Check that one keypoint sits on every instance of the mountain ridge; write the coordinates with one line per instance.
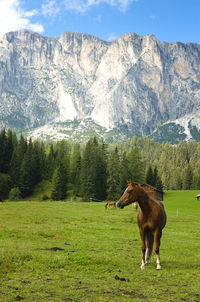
(137, 83)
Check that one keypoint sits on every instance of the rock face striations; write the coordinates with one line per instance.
(134, 84)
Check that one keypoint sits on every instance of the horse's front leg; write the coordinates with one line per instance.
(143, 249)
(157, 236)
(147, 255)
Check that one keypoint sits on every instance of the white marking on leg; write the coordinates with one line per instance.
(142, 265)
(146, 256)
(158, 266)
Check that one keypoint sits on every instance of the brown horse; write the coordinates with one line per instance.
(110, 203)
(151, 220)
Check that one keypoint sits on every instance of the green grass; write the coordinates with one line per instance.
(95, 246)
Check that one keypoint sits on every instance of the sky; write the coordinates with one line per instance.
(168, 20)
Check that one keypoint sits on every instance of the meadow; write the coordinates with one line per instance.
(79, 251)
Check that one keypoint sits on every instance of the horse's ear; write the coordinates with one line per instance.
(132, 183)
(129, 182)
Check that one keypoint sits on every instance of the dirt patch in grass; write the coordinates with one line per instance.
(18, 298)
(122, 278)
(133, 294)
(53, 249)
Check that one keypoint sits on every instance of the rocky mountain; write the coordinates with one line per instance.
(77, 83)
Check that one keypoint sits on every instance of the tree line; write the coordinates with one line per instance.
(94, 169)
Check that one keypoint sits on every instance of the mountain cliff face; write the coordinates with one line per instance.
(134, 84)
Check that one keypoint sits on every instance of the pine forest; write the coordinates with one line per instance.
(94, 169)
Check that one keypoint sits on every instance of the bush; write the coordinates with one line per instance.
(45, 197)
(15, 194)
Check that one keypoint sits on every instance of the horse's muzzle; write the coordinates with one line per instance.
(119, 205)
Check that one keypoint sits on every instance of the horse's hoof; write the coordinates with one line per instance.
(158, 268)
(142, 267)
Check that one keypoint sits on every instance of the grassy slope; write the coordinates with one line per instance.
(97, 245)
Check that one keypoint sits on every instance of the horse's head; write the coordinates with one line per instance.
(129, 195)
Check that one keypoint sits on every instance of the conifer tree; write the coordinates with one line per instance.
(155, 176)
(5, 186)
(159, 184)
(26, 183)
(8, 150)
(187, 178)
(14, 170)
(93, 171)
(59, 183)
(75, 169)
(87, 181)
(62, 154)
(114, 189)
(22, 148)
(149, 178)
(195, 182)
(41, 153)
(179, 182)
(124, 172)
(3, 142)
(77, 185)
(136, 165)
(38, 162)
(50, 162)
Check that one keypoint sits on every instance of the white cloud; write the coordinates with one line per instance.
(112, 37)
(123, 4)
(50, 8)
(31, 13)
(13, 17)
(83, 5)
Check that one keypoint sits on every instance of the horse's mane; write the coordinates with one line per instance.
(136, 185)
(133, 183)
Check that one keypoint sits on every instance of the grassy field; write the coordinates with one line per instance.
(73, 251)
